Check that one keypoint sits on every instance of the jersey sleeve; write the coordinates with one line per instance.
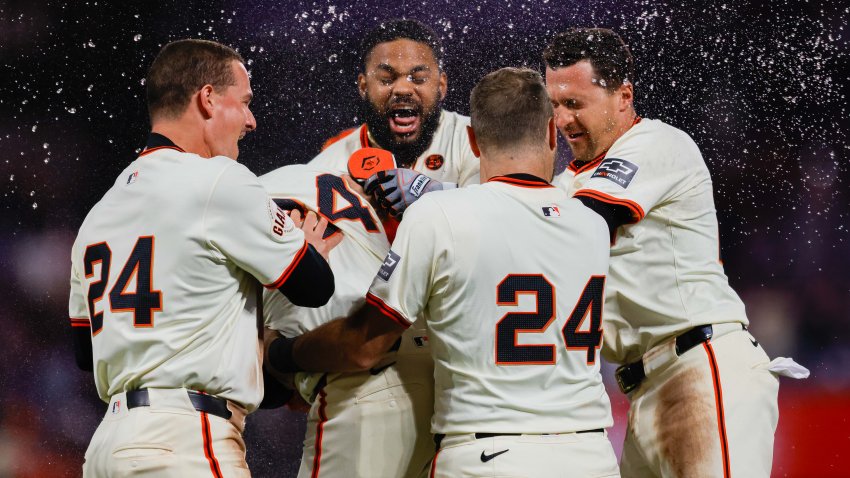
(405, 281)
(645, 170)
(77, 304)
(247, 227)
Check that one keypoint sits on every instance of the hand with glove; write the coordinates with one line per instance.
(397, 189)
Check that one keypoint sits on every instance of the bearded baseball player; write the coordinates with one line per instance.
(703, 392)
(375, 423)
(402, 85)
(514, 331)
(164, 278)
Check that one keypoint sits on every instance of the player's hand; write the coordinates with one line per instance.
(314, 228)
(397, 189)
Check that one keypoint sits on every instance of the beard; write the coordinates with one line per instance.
(405, 153)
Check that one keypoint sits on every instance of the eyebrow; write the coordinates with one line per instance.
(391, 70)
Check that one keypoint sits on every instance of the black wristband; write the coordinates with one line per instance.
(280, 355)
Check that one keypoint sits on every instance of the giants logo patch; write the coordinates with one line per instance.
(388, 266)
(434, 162)
(281, 223)
(618, 170)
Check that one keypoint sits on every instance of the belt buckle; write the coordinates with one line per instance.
(624, 387)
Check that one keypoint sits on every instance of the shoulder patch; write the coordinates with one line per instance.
(618, 170)
(388, 266)
(281, 223)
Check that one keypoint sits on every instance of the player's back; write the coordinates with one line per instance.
(515, 308)
(170, 308)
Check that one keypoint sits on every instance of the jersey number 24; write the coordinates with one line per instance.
(143, 302)
(589, 305)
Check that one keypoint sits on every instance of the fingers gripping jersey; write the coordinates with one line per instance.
(510, 277)
(448, 158)
(165, 267)
(665, 275)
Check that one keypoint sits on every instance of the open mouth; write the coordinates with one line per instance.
(404, 120)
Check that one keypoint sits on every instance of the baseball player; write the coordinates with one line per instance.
(375, 423)
(703, 393)
(402, 85)
(163, 299)
(510, 276)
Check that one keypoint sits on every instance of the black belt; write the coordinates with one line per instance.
(438, 438)
(631, 375)
(201, 401)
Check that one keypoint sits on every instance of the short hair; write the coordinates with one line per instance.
(391, 30)
(608, 54)
(181, 68)
(510, 107)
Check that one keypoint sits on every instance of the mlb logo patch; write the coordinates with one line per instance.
(551, 211)
(618, 170)
(132, 178)
(388, 266)
(116, 407)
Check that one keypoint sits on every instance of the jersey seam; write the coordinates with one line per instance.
(207, 205)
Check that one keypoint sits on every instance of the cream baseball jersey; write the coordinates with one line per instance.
(448, 158)
(166, 266)
(665, 274)
(510, 277)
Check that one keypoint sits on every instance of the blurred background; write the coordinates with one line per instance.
(761, 86)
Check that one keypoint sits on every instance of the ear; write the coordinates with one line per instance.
(361, 85)
(553, 138)
(444, 85)
(206, 101)
(473, 143)
(626, 94)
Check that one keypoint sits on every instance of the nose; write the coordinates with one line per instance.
(250, 122)
(403, 86)
(563, 117)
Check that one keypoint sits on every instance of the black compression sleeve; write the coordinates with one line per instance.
(613, 214)
(280, 355)
(81, 337)
(311, 283)
(276, 394)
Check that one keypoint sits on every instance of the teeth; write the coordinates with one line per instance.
(404, 113)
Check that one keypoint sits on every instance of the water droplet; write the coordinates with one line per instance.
(35, 205)
(45, 145)
(137, 37)
(34, 127)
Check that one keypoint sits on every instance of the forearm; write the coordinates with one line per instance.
(349, 344)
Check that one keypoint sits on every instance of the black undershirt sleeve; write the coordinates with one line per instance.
(613, 214)
(81, 338)
(311, 283)
(275, 393)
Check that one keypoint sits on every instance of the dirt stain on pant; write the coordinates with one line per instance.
(686, 422)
